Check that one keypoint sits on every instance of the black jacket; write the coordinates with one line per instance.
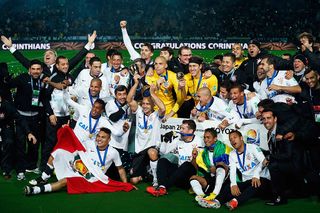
(46, 70)
(24, 92)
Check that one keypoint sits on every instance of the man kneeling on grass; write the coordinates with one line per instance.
(82, 170)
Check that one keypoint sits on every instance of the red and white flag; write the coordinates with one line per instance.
(72, 161)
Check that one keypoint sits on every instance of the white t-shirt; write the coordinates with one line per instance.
(219, 111)
(112, 156)
(82, 128)
(83, 81)
(119, 142)
(150, 136)
(280, 80)
(182, 149)
(247, 111)
(111, 77)
(250, 166)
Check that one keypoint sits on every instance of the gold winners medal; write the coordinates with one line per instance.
(102, 168)
(145, 131)
(90, 135)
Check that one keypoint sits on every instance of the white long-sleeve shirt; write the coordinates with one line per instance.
(127, 42)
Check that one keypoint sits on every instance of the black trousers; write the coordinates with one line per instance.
(185, 109)
(170, 174)
(26, 151)
(7, 148)
(279, 172)
(246, 189)
(51, 139)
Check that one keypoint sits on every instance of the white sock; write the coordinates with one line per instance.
(153, 167)
(196, 186)
(47, 188)
(220, 175)
(36, 190)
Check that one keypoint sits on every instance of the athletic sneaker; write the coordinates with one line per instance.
(215, 204)
(198, 197)
(36, 170)
(38, 181)
(28, 190)
(162, 191)
(21, 176)
(232, 204)
(211, 196)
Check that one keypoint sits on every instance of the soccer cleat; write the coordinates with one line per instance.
(156, 191)
(38, 181)
(28, 190)
(21, 176)
(162, 191)
(152, 190)
(214, 204)
(198, 197)
(211, 196)
(232, 204)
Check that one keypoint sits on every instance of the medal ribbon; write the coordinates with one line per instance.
(103, 162)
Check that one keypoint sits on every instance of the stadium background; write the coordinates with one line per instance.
(35, 21)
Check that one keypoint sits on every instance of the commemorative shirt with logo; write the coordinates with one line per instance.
(112, 156)
(120, 141)
(280, 80)
(249, 165)
(147, 130)
(219, 110)
(183, 150)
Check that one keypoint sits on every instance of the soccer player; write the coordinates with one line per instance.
(247, 160)
(245, 107)
(118, 111)
(147, 136)
(116, 75)
(146, 51)
(167, 83)
(276, 86)
(185, 148)
(195, 80)
(102, 156)
(89, 123)
(83, 81)
(212, 163)
(213, 108)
